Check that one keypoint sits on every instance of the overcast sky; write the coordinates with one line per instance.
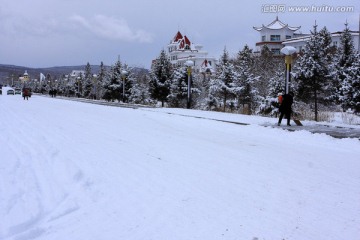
(46, 33)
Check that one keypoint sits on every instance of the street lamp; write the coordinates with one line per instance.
(288, 51)
(123, 75)
(189, 64)
(94, 77)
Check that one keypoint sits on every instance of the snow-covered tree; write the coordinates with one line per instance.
(264, 67)
(100, 78)
(311, 70)
(139, 93)
(351, 86)
(245, 83)
(269, 105)
(160, 81)
(112, 85)
(222, 87)
(343, 72)
(128, 80)
(88, 81)
(179, 89)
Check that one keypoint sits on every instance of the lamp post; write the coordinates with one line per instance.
(288, 51)
(189, 64)
(94, 78)
(123, 75)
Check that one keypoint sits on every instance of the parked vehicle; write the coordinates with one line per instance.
(10, 92)
(17, 91)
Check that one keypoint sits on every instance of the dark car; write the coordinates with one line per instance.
(10, 92)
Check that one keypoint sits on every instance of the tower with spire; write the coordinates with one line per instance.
(274, 34)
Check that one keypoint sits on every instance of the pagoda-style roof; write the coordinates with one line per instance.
(276, 25)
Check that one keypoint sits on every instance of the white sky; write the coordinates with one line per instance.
(41, 33)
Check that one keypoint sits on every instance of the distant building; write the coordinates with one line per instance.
(277, 35)
(300, 42)
(181, 49)
(24, 78)
(274, 34)
(76, 74)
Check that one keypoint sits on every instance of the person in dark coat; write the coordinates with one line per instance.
(285, 107)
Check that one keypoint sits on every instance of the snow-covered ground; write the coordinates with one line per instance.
(73, 170)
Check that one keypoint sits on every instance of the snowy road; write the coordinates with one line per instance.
(82, 171)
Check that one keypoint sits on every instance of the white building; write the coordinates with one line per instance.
(76, 74)
(274, 34)
(181, 49)
(300, 42)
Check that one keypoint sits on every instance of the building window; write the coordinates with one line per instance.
(288, 37)
(274, 38)
(263, 38)
(335, 43)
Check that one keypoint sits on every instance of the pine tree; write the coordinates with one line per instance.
(112, 85)
(222, 87)
(351, 86)
(140, 91)
(100, 81)
(245, 82)
(179, 89)
(276, 86)
(160, 75)
(264, 67)
(88, 81)
(343, 69)
(311, 70)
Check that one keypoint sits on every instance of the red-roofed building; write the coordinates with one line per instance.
(181, 49)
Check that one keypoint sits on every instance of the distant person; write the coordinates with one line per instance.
(26, 93)
(285, 107)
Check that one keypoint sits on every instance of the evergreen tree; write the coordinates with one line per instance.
(112, 85)
(344, 60)
(264, 67)
(276, 84)
(311, 70)
(222, 87)
(245, 83)
(139, 93)
(179, 88)
(100, 81)
(351, 86)
(160, 81)
(88, 81)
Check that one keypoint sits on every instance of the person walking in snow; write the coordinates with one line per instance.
(26, 93)
(285, 107)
